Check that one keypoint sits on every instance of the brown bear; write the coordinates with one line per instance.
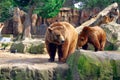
(60, 37)
(94, 35)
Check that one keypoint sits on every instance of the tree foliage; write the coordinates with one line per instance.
(6, 7)
(22, 2)
(48, 8)
(44, 8)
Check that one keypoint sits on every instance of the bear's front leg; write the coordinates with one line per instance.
(60, 53)
(64, 53)
(52, 52)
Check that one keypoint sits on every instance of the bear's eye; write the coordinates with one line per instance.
(82, 38)
(58, 35)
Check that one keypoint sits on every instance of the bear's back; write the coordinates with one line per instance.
(98, 29)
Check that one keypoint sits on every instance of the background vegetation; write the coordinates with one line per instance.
(44, 8)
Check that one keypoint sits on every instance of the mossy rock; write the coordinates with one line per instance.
(37, 49)
(112, 46)
(112, 30)
(34, 47)
(32, 72)
(5, 45)
(86, 65)
(19, 46)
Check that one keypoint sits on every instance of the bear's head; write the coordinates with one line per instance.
(83, 36)
(57, 35)
(82, 40)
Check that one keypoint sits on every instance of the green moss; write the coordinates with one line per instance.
(5, 74)
(116, 69)
(7, 35)
(28, 47)
(61, 74)
(5, 45)
(40, 75)
(18, 46)
(29, 73)
(69, 75)
(35, 49)
(111, 46)
(90, 67)
(106, 72)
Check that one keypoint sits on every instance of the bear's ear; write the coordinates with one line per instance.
(86, 29)
(49, 29)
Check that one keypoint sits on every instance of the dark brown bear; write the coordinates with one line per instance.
(94, 35)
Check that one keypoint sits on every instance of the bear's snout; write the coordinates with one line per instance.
(62, 41)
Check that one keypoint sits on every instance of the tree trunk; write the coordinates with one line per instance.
(17, 24)
(42, 20)
(110, 13)
(28, 24)
(34, 20)
(27, 28)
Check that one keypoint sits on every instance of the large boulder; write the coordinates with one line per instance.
(34, 46)
(112, 30)
(29, 72)
(88, 65)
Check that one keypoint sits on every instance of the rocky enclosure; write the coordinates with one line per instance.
(30, 67)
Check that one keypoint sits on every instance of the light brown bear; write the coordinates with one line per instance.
(94, 35)
(60, 37)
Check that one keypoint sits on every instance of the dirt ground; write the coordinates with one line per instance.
(39, 61)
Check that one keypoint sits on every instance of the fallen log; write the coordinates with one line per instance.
(109, 14)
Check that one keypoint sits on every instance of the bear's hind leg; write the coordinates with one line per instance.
(102, 45)
(96, 45)
(52, 51)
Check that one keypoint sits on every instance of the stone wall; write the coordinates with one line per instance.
(82, 65)
(30, 67)
(27, 72)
